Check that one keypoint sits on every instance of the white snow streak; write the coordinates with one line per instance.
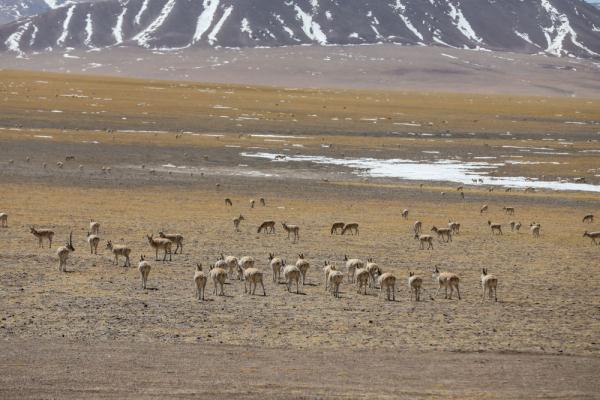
(143, 8)
(525, 37)
(246, 27)
(33, 35)
(144, 36)
(14, 40)
(459, 20)
(401, 8)
(89, 30)
(310, 27)
(118, 29)
(66, 22)
(212, 37)
(205, 19)
(561, 27)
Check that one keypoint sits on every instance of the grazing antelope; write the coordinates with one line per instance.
(483, 209)
(446, 280)
(303, 266)
(262, 202)
(200, 280)
(535, 229)
(40, 234)
(94, 227)
(253, 277)
(351, 266)
(63, 253)
(160, 243)
(276, 264)
(443, 233)
(337, 226)
(4, 220)
(119, 250)
(218, 276)
(387, 281)
(362, 279)
(496, 228)
(144, 268)
(352, 228)
(252, 203)
(236, 222)
(425, 239)
(588, 218)
(509, 210)
(489, 283)
(415, 284)
(295, 229)
(175, 238)
(93, 240)
(267, 226)
(454, 227)
(228, 202)
(512, 225)
(374, 272)
(405, 213)
(335, 280)
(417, 227)
(529, 190)
(592, 235)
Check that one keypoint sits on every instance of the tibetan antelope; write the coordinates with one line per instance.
(405, 214)
(443, 233)
(337, 226)
(335, 280)
(352, 264)
(535, 229)
(327, 270)
(63, 253)
(454, 227)
(374, 272)
(4, 220)
(218, 276)
(387, 281)
(93, 240)
(175, 238)
(262, 202)
(588, 218)
(291, 274)
(200, 280)
(160, 243)
(294, 229)
(352, 228)
(276, 264)
(267, 226)
(489, 284)
(42, 234)
(496, 228)
(232, 263)
(144, 268)
(228, 202)
(303, 265)
(425, 239)
(94, 227)
(236, 222)
(483, 209)
(415, 284)
(252, 203)
(362, 280)
(253, 277)
(509, 210)
(446, 280)
(592, 235)
(119, 250)
(417, 227)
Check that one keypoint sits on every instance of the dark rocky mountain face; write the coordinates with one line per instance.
(557, 27)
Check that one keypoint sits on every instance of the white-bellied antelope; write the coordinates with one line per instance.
(160, 243)
(63, 253)
(119, 250)
(352, 228)
(42, 234)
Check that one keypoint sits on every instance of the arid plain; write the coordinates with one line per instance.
(158, 155)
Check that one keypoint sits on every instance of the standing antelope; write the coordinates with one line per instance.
(362, 279)
(509, 210)
(144, 268)
(374, 272)
(327, 269)
(231, 262)
(417, 227)
(443, 232)
(414, 284)
(454, 227)
(40, 234)
(93, 240)
(253, 277)
(174, 238)
(483, 209)
(160, 243)
(337, 226)
(496, 228)
(588, 218)
(446, 280)
(236, 222)
(228, 202)
(335, 280)
(535, 229)
(405, 213)
(352, 228)
(425, 239)
(592, 235)
(119, 250)
(4, 220)
(262, 202)
(63, 253)
(489, 283)
(276, 264)
(387, 281)
(291, 274)
(295, 229)
(200, 279)
(252, 203)
(94, 227)
(267, 226)
(243, 264)
(218, 276)
(351, 266)
(303, 266)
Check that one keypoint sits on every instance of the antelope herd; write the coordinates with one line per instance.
(363, 275)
